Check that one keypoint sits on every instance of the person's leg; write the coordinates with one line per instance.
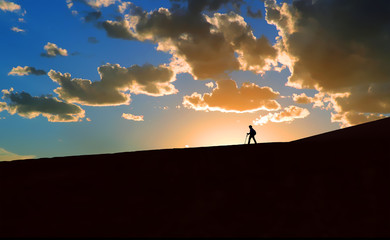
(254, 139)
(249, 140)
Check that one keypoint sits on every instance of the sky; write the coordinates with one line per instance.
(102, 76)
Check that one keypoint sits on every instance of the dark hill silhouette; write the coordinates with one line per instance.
(332, 184)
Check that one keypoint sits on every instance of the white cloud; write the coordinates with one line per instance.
(53, 50)
(124, 6)
(16, 29)
(210, 85)
(289, 114)
(132, 117)
(26, 70)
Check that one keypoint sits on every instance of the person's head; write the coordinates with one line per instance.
(250, 126)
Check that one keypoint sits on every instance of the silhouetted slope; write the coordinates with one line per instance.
(298, 189)
(378, 130)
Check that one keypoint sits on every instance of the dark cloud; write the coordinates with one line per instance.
(93, 40)
(92, 16)
(200, 44)
(195, 7)
(255, 54)
(337, 47)
(252, 14)
(26, 70)
(115, 84)
(118, 29)
(50, 107)
(96, 3)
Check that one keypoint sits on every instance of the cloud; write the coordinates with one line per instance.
(50, 107)
(9, 6)
(115, 84)
(53, 50)
(210, 84)
(186, 37)
(93, 40)
(92, 16)
(16, 29)
(337, 47)
(353, 118)
(302, 98)
(252, 14)
(118, 29)
(227, 97)
(99, 3)
(9, 156)
(124, 6)
(255, 54)
(93, 3)
(203, 46)
(26, 70)
(132, 117)
(196, 7)
(69, 3)
(3, 106)
(289, 114)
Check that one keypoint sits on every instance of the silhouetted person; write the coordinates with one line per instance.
(251, 134)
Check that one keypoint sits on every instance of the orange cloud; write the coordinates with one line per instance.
(227, 97)
(302, 98)
(289, 114)
(352, 118)
(9, 6)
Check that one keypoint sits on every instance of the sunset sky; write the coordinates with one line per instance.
(99, 76)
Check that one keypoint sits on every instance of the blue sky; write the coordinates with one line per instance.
(218, 114)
